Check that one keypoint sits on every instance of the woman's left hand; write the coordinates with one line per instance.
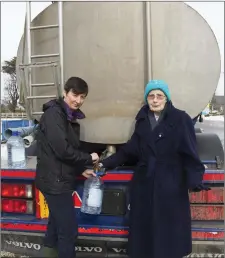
(88, 173)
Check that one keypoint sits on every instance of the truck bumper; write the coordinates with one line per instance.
(30, 244)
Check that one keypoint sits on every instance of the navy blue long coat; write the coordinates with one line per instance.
(168, 166)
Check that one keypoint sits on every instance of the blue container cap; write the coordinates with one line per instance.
(15, 133)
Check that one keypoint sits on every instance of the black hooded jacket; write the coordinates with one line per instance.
(59, 159)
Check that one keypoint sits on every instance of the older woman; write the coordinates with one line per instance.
(164, 143)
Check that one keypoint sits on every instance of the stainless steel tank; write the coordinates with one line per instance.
(117, 47)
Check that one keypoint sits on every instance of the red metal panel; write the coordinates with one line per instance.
(207, 212)
(196, 233)
(208, 235)
(25, 174)
(37, 201)
(212, 176)
(215, 195)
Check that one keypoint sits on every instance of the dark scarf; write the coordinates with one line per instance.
(152, 119)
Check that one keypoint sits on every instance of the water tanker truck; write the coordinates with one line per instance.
(117, 47)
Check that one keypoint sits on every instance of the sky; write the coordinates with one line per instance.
(12, 29)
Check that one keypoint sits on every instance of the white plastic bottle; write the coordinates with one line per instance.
(16, 151)
(92, 196)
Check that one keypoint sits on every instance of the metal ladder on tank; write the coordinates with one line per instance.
(57, 66)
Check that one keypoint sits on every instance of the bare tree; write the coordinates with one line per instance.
(12, 94)
(11, 87)
(3, 107)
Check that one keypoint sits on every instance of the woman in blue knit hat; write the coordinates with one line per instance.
(168, 167)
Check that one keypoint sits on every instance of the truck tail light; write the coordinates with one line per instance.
(17, 206)
(17, 190)
(207, 212)
(17, 198)
(214, 196)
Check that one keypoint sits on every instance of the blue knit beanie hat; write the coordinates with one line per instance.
(157, 85)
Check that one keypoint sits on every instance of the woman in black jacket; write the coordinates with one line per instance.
(59, 161)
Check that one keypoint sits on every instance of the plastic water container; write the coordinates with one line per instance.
(16, 151)
(92, 196)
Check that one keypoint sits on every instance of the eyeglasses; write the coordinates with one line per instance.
(157, 96)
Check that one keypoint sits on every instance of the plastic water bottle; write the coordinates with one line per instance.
(92, 196)
(16, 151)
